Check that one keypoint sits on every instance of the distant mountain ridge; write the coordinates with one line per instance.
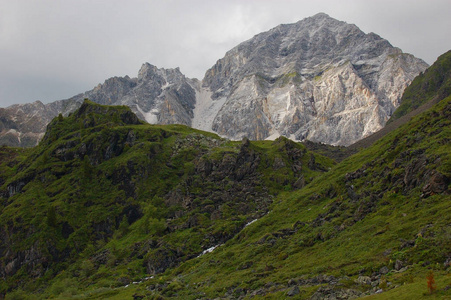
(318, 79)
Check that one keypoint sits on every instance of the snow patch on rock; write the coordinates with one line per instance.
(255, 220)
(151, 116)
(209, 250)
(206, 109)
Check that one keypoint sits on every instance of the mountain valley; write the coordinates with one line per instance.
(274, 177)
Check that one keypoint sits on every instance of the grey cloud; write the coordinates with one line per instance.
(52, 50)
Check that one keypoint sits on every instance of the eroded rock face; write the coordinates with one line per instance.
(319, 79)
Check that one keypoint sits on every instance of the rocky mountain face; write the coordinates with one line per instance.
(163, 96)
(319, 79)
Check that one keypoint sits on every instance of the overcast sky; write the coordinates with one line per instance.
(54, 49)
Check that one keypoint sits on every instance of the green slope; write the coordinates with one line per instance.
(383, 213)
(376, 224)
(105, 200)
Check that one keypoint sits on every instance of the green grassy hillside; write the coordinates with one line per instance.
(113, 210)
(106, 200)
(377, 224)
